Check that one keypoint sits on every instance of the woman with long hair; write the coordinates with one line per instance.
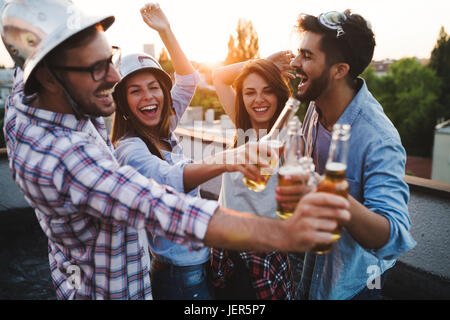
(149, 108)
(253, 94)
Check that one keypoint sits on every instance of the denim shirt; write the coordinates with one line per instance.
(375, 172)
(133, 151)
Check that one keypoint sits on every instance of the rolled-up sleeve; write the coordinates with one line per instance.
(134, 152)
(182, 93)
(119, 194)
(386, 193)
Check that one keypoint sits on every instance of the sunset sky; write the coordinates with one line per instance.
(403, 28)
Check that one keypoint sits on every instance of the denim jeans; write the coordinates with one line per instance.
(182, 283)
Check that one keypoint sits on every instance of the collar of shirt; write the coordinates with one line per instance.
(48, 119)
(355, 107)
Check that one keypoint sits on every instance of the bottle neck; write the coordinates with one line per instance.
(338, 154)
(337, 157)
(280, 126)
(292, 151)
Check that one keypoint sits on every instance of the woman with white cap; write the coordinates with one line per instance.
(149, 108)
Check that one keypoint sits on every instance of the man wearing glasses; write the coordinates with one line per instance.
(92, 210)
(335, 50)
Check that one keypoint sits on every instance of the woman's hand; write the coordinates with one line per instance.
(155, 18)
(253, 160)
(283, 61)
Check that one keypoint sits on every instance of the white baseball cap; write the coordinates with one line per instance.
(135, 62)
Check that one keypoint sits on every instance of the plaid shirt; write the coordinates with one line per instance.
(270, 273)
(89, 207)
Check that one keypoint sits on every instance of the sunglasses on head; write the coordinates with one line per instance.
(333, 20)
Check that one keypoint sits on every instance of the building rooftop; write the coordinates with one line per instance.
(443, 127)
(421, 273)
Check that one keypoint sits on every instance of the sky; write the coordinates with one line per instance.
(403, 28)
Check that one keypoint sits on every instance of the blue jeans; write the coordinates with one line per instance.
(181, 283)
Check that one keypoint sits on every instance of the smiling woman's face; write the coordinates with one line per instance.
(145, 98)
(260, 101)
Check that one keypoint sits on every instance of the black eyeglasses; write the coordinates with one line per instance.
(100, 69)
(333, 20)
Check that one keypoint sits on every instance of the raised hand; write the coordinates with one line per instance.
(283, 61)
(154, 17)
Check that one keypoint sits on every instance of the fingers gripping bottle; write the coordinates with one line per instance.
(275, 139)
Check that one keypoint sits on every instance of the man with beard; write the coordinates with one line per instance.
(92, 210)
(335, 50)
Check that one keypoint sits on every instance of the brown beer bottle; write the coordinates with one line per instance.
(294, 164)
(291, 165)
(334, 180)
(304, 170)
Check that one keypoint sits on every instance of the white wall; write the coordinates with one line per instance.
(441, 157)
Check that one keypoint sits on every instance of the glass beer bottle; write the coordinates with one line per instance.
(275, 141)
(334, 180)
(304, 170)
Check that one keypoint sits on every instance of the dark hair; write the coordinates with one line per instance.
(126, 122)
(58, 54)
(270, 72)
(355, 47)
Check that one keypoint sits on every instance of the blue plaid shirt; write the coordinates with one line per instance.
(91, 208)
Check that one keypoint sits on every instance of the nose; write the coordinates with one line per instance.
(296, 62)
(147, 94)
(113, 75)
(259, 97)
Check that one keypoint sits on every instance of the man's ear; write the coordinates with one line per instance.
(340, 70)
(47, 81)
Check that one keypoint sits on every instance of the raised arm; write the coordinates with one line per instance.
(155, 18)
(223, 79)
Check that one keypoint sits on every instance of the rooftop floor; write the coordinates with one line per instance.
(422, 273)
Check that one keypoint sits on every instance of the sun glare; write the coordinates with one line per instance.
(203, 27)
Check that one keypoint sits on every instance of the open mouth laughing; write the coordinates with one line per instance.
(105, 96)
(303, 80)
(149, 110)
(261, 110)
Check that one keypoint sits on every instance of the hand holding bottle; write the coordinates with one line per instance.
(292, 187)
(247, 159)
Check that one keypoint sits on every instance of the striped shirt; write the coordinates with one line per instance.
(91, 208)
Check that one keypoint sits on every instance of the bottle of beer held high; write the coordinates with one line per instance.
(335, 181)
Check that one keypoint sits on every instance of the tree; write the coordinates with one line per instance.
(409, 94)
(245, 46)
(165, 62)
(440, 63)
(208, 99)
